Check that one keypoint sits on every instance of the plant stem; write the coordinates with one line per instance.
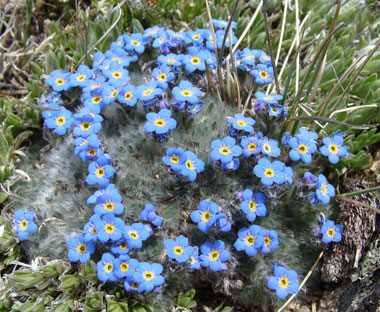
(270, 46)
(372, 189)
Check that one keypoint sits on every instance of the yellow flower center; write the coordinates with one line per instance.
(263, 74)
(331, 233)
(148, 275)
(174, 159)
(109, 228)
(116, 59)
(178, 250)
(128, 95)
(95, 86)
(81, 77)
(114, 93)
(302, 148)
(250, 57)
(96, 99)
(147, 92)
(124, 266)
(333, 148)
(323, 189)
(206, 216)
(225, 150)
(93, 230)
(214, 255)
(81, 248)
(100, 172)
(268, 98)
(252, 205)
(267, 148)
(134, 285)
(196, 37)
(59, 81)
(189, 164)
(159, 122)
(91, 151)
(133, 234)
(171, 60)
(108, 267)
(162, 77)
(195, 60)
(135, 42)
(252, 146)
(85, 125)
(192, 259)
(249, 240)
(116, 74)
(153, 31)
(60, 120)
(109, 206)
(186, 93)
(123, 245)
(269, 172)
(23, 224)
(266, 241)
(283, 282)
(241, 123)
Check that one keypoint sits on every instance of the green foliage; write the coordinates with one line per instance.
(185, 300)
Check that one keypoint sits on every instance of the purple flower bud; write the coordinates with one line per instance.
(163, 104)
(258, 106)
(317, 231)
(239, 195)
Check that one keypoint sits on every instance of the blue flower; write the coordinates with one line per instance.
(324, 190)
(331, 232)
(189, 165)
(205, 216)
(100, 172)
(148, 276)
(128, 95)
(149, 93)
(135, 234)
(23, 222)
(106, 268)
(60, 121)
(225, 150)
(160, 122)
(222, 23)
(178, 249)
(172, 156)
(131, 285)
(251, 145)
(94, 84)
(110, 189)
(253, 205)
(59, 80)
(276, 110)
(263, 74)
(242, 123)
(186, 92)
(152, 31)
(270, 240)
(267, 98)
(110, 228)
(163, 75)
(120, 247)
(116, 74)
(249, 240)
(171, 60)
(232, 165)
(284, 282)
(89, 230)
(194, 108)
(193, 261)
(81, 77)
(135, 43)
(195, 60)
(307, 135)
(249, 56)
(196, 37)
(310, 179)
(264, 58)
(213, 255)
(80, 249)
(124, 266)
(270, 147)
(148, 214)
(86, 124)
(222, 222)
(270, 172)
(334, 148)
(110, 92)
(108, 204)
(302, 149)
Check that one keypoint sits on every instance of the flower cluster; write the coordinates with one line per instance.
(208, 215)
(185, 163)
(305, 144)
(270, 102)
(149, 215)
(320, 190)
